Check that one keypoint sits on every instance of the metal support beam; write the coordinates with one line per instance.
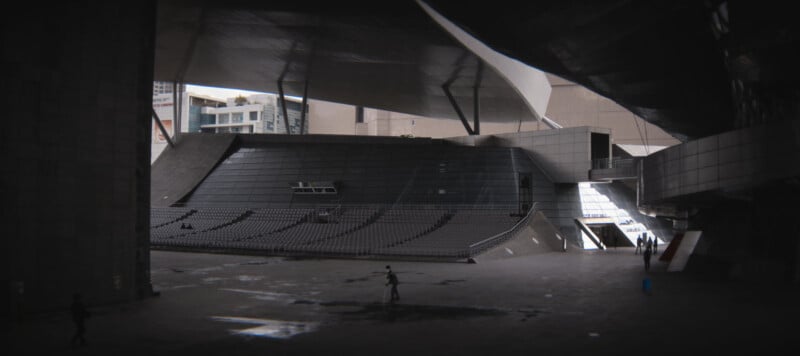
(303, 112)
(476, 120)
(476, 100)
(161, 127)
(283, 106)
(186, 61)
(177, 108)
(454, 103)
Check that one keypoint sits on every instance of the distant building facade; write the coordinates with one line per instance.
(261, 113)
(166, 88)
(569, 104)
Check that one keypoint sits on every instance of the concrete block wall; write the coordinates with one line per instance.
(564, 154)
(77, 91)
(728, 161)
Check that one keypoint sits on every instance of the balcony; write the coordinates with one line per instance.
(606, 169)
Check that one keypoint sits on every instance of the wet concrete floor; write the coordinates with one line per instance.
(549, 304)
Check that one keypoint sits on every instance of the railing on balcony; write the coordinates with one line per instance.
(614, 168)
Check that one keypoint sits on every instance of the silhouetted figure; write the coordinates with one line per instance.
(649, 245)
(189, 226)
(655, 246)
(638, 245)
(648, 252)
(391, 279)
(183, 226)
(79, 315)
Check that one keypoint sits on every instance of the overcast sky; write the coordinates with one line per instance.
(219, 93)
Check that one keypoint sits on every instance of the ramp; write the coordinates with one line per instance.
(179, 169)
(586, 230)
(539, 236)
(683, 251)
(672, 247)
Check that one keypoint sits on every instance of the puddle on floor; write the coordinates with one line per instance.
(269, 328)
(353, 311)
(450, 281)
(261, 295)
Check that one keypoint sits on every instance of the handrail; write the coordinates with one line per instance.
(585, 229)
(412, 206)
(614, 162)
(473, 248)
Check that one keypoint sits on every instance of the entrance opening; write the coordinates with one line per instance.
(610, 235)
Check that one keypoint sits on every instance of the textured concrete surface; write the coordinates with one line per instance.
(180, 169)
(547, 304)
(539, 236)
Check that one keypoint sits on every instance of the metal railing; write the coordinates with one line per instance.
(368, 248)
(403, 206)
(495, 240)
(614, 162)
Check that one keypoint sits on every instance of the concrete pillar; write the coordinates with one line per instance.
(77, 96)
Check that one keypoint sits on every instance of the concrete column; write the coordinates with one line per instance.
(77, 81)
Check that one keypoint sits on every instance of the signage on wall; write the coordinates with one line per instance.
(158, 137)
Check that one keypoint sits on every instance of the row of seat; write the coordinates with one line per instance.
(357, 231)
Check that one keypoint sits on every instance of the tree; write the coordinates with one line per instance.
(240, 100)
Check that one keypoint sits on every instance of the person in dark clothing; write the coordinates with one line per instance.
(655, 245)
(79, 315)
(391, 279)
(638, 245)
(648, 252)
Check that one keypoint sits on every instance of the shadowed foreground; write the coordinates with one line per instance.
(556, 303)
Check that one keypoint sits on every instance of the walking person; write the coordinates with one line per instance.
(648, 252)
(391, 280)
(655, 245)
(79, 315)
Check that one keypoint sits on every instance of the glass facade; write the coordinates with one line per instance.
(237, 118)
(197, 119)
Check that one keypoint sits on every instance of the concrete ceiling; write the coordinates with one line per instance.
(693, 68)
(389, 56)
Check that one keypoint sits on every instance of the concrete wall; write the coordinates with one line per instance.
(181, 168)
(563, 154)
(325, 117)
(729, 161)
(78, 82)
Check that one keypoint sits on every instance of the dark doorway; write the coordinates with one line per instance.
(525, 197)
(601, 150)
(610, 235)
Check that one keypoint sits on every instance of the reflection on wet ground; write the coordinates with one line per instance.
(259, 294)
(564, 304)
(351, 280)
(450, 281)
(277, 329)
(355, 311)
(338, 312)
